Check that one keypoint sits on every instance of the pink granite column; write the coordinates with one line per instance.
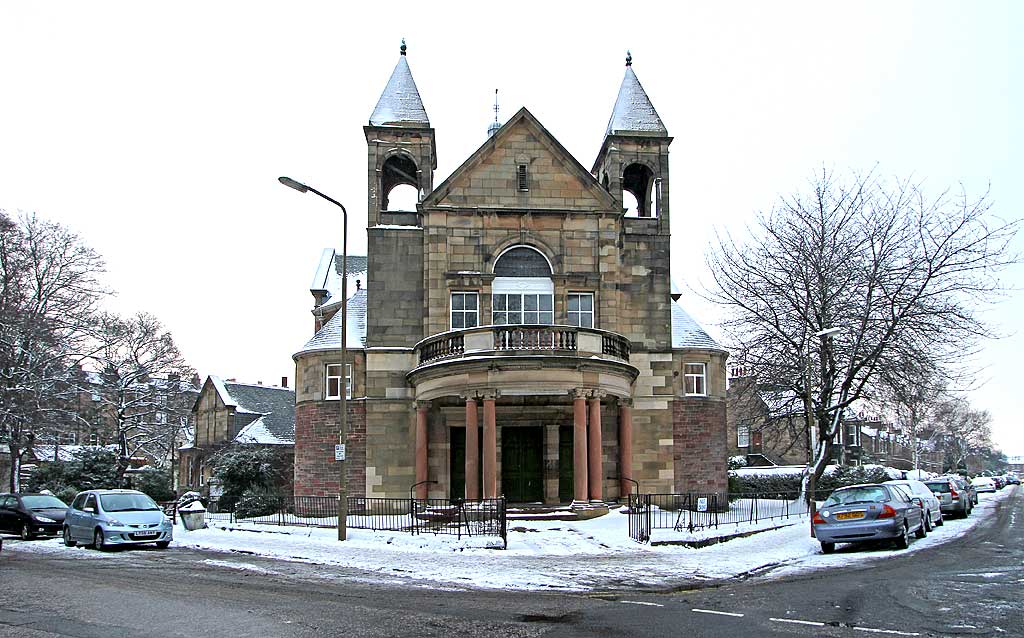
(594, 460)
(579, 447)
(472, 451)
(421, 448)
(490, 449)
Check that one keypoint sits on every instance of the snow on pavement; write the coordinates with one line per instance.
(542, 555)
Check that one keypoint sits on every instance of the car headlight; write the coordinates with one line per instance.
(114, 522)
(43, 519)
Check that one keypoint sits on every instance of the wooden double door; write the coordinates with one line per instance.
(522, 463)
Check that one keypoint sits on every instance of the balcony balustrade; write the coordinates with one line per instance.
(523, 339)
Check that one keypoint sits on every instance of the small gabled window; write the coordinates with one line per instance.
(522, 177)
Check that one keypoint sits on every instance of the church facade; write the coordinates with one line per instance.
(517, 333)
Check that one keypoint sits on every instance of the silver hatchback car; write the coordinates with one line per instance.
(105, 518)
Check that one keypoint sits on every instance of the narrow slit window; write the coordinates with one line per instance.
(522, 177)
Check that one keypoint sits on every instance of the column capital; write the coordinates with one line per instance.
(423, 406)
(625, 403)
(579, 393)
(596, 395)
(469, 396)
(487, 395)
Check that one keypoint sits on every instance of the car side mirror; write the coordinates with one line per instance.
(91, 510)
(917, 501)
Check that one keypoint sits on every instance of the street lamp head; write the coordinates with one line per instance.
(828, 332)
(291, 183)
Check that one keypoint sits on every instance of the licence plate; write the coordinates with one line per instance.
(849, 516)
(146, 534)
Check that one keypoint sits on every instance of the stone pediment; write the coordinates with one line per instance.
(490, 179)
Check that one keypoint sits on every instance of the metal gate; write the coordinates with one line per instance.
(640, 517)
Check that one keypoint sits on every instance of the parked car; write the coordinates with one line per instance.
(965, 485)
(983, 484)
(932, 507)
(1000, 483)
(31, 515)
(1012, 478)
(105, 518)
(866, 513)
(953, 500)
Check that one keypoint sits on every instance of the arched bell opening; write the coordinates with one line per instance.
(399, 184)
(638, 184)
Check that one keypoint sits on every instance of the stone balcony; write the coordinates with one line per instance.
(522, 360)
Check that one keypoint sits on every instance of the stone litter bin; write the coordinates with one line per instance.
(193, 516)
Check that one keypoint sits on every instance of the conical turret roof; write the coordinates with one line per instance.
(400, 103)
(633, 113)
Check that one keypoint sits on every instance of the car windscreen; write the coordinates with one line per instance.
(857, 495)
(43, 502)
(127, 503)
(941, 486)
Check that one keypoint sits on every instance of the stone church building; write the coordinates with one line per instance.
(517, 333)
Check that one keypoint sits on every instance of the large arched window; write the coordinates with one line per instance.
(522, 290)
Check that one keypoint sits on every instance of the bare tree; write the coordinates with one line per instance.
(49, 290)
(963, 430)
(838, 284)
(145, 386)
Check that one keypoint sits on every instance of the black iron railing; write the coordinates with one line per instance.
(696, 511)
(455, 517)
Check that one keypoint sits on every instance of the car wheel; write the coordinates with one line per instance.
(26, 532)
(828, 548)
(926, 524)
(68, 541)
(98, 541)
(941, 520)
(903, 540)
(162, 544)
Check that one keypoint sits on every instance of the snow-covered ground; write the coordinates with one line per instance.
(542, 555)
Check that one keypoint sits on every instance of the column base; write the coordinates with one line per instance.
(585, 510)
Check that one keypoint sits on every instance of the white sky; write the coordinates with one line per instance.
(158, 131)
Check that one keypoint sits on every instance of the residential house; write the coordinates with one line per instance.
(227, 413)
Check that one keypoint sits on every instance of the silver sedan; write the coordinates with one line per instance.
(867, 513)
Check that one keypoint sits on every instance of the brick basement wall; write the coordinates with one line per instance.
(699, 436)
(316, 432)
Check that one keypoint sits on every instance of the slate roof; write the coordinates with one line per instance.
(328, 275)
(633, 112)
(329, 336)
(400, 103)
(275, 405)
(687, 333)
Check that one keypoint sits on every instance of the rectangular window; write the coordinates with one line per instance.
(160, 417)
(522, 177)
(742, 436)
(334, 381)
(465, 309)
(853, 434)
(522, 308)
(94, 439)
(68, 438)
(581, 309)
(695, 379)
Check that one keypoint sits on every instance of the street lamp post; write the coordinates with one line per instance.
(343, 390)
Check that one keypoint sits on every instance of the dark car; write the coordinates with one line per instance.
(31, 515)
(867, 513)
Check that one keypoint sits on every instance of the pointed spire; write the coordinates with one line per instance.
(400, 103)
(495, 125)
(633, 112)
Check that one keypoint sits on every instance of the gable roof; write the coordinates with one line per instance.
(275, 406)
(400, 103)
(633, 113)
(500, 141)
(687, 333)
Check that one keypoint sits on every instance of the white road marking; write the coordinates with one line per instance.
(798, 622)
(640, 602)
(717, 613)
(887, 631)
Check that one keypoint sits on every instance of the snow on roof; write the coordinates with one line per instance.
(65, 452)
(633, 111)
(328, 275)
(276, 407)
(400, 103)
(329, 336)
(225, 396)
(687, 333)
(782, 403)
(259, 432)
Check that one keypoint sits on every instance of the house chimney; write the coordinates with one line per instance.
(284, 382)
(233, 380)
(259, 383)
(359, 285)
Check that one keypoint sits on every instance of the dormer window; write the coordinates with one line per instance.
(522, 177)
